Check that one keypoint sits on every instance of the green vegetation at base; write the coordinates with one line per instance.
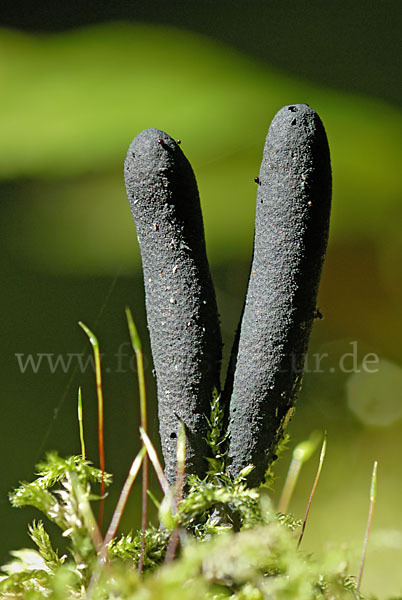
(230, 542)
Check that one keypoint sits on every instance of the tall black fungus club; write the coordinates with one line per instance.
(291, 231)
(180, 298)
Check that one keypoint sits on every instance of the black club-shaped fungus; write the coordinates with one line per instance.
(180, 299)
(291, 231)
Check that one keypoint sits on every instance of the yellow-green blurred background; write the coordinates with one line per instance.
(77, 82)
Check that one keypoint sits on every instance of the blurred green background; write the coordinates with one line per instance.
(78, 82)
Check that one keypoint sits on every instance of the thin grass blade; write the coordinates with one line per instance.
(373, 495)
(86, 512)
(181, 461)
(181, 471)
(98, 374)
(153, 457)
(81, 424)
(132, 475)
(317, 477)
(154, 499)
(301, 454)
(137, 347)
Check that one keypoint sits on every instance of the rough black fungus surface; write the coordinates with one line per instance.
(180, 299)
(291, 231)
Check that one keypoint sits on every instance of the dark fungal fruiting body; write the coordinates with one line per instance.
(180, 299)
(291, 231)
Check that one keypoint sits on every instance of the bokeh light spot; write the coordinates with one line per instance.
(376, 397)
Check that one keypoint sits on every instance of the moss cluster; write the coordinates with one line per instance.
(230, 542)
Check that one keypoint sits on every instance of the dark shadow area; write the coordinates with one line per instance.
(353, 46)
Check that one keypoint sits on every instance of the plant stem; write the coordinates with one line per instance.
(373, 494)
(301, 454)
(181, 462)
(317, 477)
(288, 488)
(87, 514)
(163, 482)
(181, 471)
(135, 467)
(137, 347)
(81, 424)
(98, 374)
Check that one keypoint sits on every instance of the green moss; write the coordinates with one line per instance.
(232, 544)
